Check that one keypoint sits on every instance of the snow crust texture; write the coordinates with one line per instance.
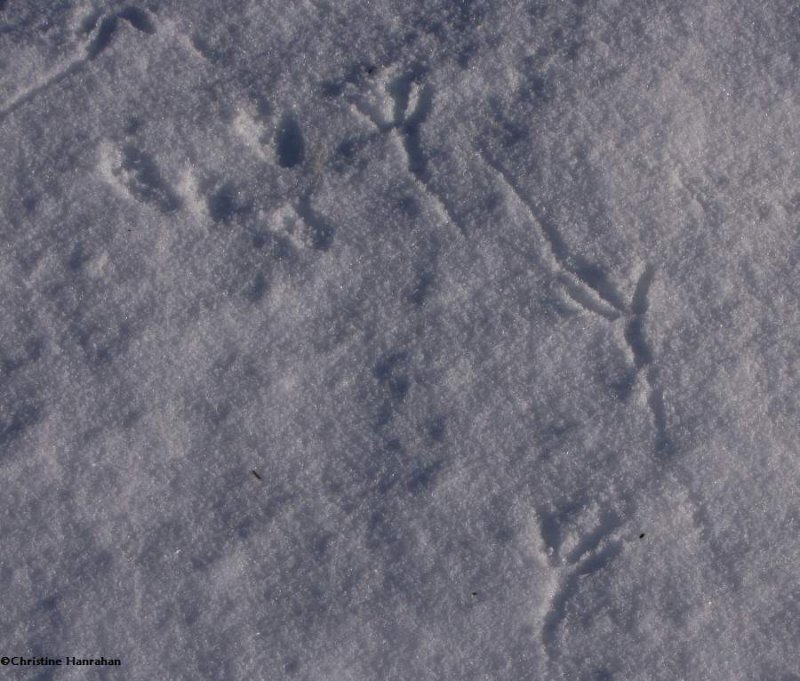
(442, 339)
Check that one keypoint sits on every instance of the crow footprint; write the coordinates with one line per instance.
(581, 540)
(589, 286)
(410, 101)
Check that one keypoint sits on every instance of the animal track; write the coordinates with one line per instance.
(139, 173)
(411, 104)
(575, 554)
(322, 232)
(602, 298)
(589, 286)
(301, 226)
(289, 142)
(224, 204)
(643, 357)
(257, 289)
(102, 39)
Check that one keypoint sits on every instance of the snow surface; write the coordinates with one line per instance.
(384, 340)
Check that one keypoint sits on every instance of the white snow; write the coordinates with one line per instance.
(444, 339)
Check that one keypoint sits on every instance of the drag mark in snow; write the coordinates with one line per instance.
(137, 18)
(53, 78)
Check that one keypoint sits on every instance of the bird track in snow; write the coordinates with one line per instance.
(588, 553)
(589, 286)
(411, 103)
